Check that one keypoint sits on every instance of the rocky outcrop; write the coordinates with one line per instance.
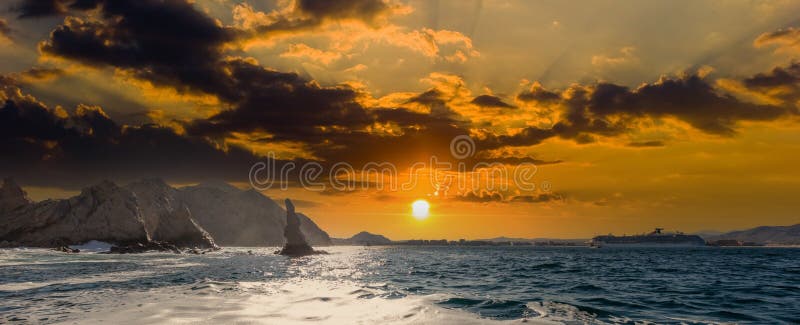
(237, 217)
(149, 214)
(12, 196)
(296, 244)
(167, 219)
(104, 212)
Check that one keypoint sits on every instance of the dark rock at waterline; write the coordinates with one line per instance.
(66, 249)
(144, 247)
(8, 244)
(156, 246)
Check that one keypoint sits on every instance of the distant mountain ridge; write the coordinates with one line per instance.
(145, 211)
(769, 235)
(502, 239)
(777, 235)
(364, 238)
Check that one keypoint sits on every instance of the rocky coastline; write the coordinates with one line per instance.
(148, 215)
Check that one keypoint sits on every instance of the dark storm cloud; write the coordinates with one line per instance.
(646, 144)
(44, 146)
(781, 82)
(527, 137)
(689, 98)
(514, 160)
(44, 8)
(38, 74)
(366, 10)
(490, 101)
(39, 8)
(172, 44)
(607, 109)
(309, 14)
(779, 76)
(539, 94)
(428, 98)
(491, 196)
(188, 56)
(286, 105)
(166, 42)
(540, 198)
(27, 119)
(610, 110)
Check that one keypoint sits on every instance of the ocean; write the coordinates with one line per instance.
(406, 285)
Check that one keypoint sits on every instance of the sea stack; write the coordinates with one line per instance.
(296, 244)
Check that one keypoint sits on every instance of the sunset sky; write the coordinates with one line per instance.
(636, 114)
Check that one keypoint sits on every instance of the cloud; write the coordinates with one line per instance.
(539, 198)
(49, 146)
(689, 98)
(787, 40)
(41, 74)
(481, 197)
(646, 144)
(538, 94)
(626, 55)
(39, 8)
(782, 83)
(259, 107)
(608, 109)
(365, 10)
(190, 58)
(129, 35)
(484, 196)
(490, 101)
(305, 15)
(305, 51)
(44, 8)
(349, 25)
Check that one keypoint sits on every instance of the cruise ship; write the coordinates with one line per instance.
(657, 238)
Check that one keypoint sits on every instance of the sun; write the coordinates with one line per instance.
(419, 209)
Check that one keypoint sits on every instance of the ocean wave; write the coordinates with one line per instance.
(405, 285)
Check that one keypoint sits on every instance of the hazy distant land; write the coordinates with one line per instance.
(761, 236)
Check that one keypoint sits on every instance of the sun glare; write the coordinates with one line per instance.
(419, 209)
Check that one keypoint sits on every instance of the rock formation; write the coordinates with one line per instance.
(166, 218)
(12, 196)
(296, 244)
(149, 215)
(104, 212)
(237, 217)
